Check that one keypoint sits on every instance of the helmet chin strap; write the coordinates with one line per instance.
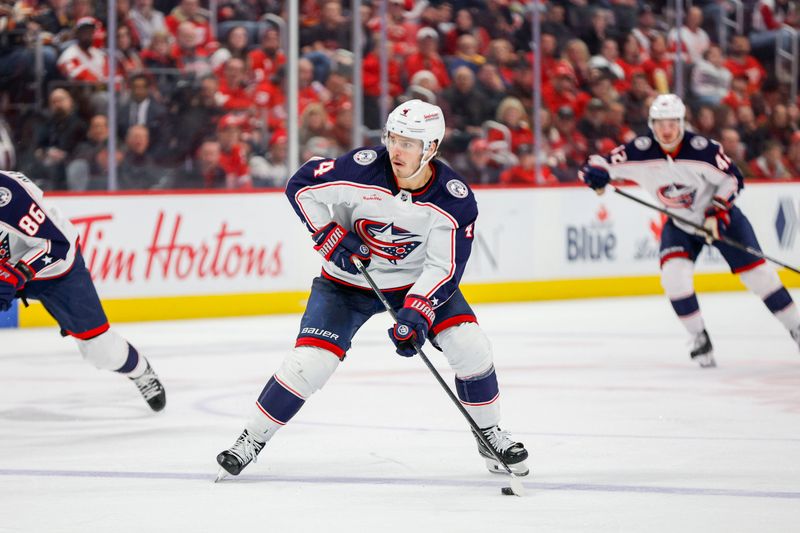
(423, 162)
(671, 146)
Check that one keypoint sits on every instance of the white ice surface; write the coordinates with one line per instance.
(625, 433)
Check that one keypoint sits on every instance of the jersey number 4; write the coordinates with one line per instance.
(325, 166)
(30, 223)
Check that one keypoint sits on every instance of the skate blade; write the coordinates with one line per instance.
(706, 361)
(518, 469)
(222, 474)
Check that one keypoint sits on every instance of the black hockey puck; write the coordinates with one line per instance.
(507, 491)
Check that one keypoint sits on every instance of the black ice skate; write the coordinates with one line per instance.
(702, 350)
(151, 388)
(512, 452)
(234, 459)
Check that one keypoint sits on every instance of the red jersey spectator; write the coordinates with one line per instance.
(659, 67)
(371, 73)
(741, 63)
(511, 114)
(188, 55)
(233, 152)
(428, 58)
(81, 61)
(464, 24)
(233, 87)
(770, 164)
(264, 61)
(562, 91)
(189, 11)
(524, 172)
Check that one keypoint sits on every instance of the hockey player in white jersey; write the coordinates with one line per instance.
(694, 178)
(40, 259)
(410, 219)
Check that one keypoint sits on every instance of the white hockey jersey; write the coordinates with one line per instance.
(684, 181)
(419, 240)
(30, 232)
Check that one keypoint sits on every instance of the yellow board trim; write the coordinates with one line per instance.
(228, 305)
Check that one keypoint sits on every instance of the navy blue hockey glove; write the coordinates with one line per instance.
(718, 218)
(413, 322)
(595, 177)
(339, 246)
(11, 280)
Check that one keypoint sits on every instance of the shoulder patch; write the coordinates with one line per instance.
(5, 197)
(457, 188)
(699, 143)
(643, 143)
(365, 157)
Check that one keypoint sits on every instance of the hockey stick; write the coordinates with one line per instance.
(516, 484)
(722, 238)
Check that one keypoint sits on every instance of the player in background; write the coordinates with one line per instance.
(40, 259)
(411, 220)
(691, 176)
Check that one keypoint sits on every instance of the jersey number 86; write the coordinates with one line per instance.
(30, 223)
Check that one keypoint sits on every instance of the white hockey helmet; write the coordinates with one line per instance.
(417, 120)
(667, 106)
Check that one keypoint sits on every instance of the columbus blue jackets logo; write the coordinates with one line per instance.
(457, 188)
(365, 157)
(386, 240)
(677, 196)
(5, 197)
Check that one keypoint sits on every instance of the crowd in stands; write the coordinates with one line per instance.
(197, 109)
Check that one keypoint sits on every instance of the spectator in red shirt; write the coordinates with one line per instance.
(511, 114)
(82, 61)
(189, 56)
(741, 63)
(427, 58)
(659, 67)
(501, 53)
(632, 57)
(401, 31)
(308, 88)
(233, 88)
(264, 61)
(464, 24)
(562, 91)
(190, 11)
(737, 96)
(770, 164)
(524, 172)
(233, 152)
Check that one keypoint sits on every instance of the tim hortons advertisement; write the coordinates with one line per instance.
(162, 245)
(196, 244)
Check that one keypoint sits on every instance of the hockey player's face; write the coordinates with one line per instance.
(667, 130)
(404, 154)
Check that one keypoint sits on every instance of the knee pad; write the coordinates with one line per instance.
(761, 280)
(677, 278)
(107, 351)
(467, 349)
(307, 368)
